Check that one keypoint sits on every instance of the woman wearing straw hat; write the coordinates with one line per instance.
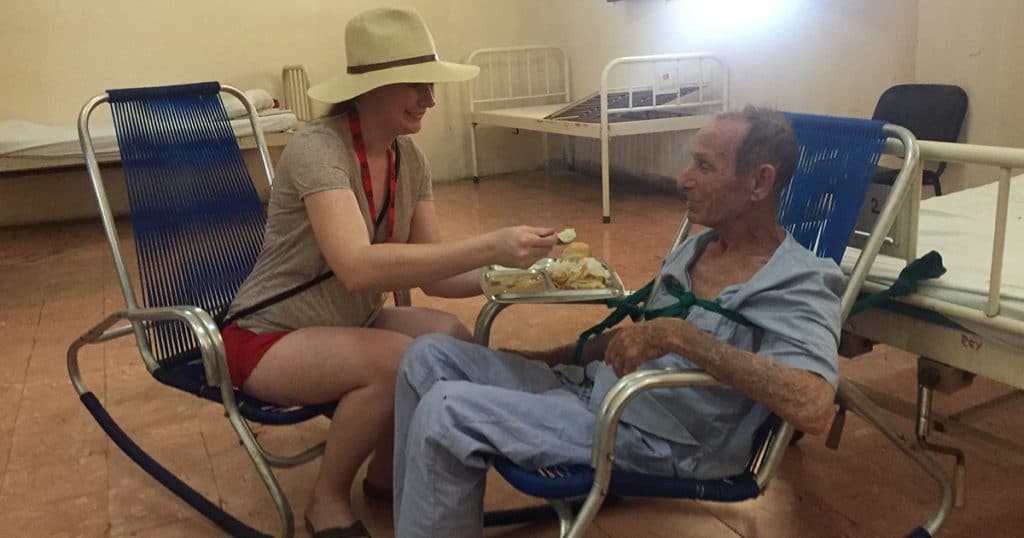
(351, 216)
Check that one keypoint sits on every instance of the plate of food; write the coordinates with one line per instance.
(576, 275)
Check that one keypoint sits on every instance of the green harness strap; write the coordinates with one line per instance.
(634, 306)
(923, 268)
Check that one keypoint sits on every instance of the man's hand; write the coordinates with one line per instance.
(639, 343)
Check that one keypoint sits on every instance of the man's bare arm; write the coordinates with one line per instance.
(802, 398)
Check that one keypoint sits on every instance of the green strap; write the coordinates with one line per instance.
(687, 299)
(925, 267)
(634, 304)
(631, 306)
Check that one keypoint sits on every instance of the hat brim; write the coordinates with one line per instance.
(347, 86)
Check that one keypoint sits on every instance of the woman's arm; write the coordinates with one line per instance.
(424, 229)
(341, 234)
(800, 397)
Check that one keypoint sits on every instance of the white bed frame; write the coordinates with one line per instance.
(955, 348)
(524, 87)
(953, 351)
(17, 165)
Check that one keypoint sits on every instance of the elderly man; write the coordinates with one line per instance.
(772, 338)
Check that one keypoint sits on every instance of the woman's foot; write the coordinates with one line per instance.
(377, 493)
(377, 484)
(355, 530)
(323, 513)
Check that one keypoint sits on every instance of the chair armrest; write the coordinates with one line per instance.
(491, 309)
(622, 392)
(211, 346)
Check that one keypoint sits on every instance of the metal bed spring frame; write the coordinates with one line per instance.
(849, 396)
(198, 321)
(605, 129)
(955, 349)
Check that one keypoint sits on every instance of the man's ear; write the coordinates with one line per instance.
(764, 182)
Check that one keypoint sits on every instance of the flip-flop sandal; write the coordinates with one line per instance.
(355, 530)
(377, 493)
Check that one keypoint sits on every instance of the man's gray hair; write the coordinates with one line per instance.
(770, 140)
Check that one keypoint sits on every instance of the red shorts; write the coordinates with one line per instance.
(244, 349)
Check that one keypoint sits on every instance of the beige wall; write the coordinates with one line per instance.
(980, 47)
(820, 56)
(58, 53)
(826, 56)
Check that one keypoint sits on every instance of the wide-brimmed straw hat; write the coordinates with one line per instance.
(388, 46)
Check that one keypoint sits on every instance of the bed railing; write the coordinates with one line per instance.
(1006, 160)
(519, 76)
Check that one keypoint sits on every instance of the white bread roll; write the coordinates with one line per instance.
(576, 250)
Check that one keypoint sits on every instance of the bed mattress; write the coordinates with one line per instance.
(20, 138)
(959, 226)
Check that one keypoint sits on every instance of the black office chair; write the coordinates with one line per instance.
(931, 112)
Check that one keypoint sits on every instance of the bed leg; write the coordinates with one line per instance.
(546, 152)
(606, 204)
(852, 398)
(472, 150)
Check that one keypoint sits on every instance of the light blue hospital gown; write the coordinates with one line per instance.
(458, 405)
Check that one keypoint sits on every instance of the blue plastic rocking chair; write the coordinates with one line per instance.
(837, 160)
(198, 226)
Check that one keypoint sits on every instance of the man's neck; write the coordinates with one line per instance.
(750, 236)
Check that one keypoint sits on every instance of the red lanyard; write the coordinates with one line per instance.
(364, 170)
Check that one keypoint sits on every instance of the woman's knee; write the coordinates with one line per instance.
(427, 359)
(424, 350)
(449, 324)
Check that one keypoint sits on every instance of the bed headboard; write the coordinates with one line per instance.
(519, 76)
(679, 83)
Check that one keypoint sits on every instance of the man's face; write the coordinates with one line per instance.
(710, 187)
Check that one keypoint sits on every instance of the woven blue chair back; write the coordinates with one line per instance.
(196, 216)
(837, 160)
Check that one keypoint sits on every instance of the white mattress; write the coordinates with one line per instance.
(20, 138)
(959, 226)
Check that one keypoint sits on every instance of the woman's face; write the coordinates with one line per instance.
(398, 108)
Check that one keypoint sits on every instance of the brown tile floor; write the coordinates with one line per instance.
(60, 476)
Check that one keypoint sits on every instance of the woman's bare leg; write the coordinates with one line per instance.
(355, 366)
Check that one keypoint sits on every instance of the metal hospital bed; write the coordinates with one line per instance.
(970, 321)
(528, 88)
(29, 147)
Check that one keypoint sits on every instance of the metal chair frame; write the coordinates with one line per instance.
(212, 377)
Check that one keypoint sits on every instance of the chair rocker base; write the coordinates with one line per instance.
(201, 504)
(185, 372)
